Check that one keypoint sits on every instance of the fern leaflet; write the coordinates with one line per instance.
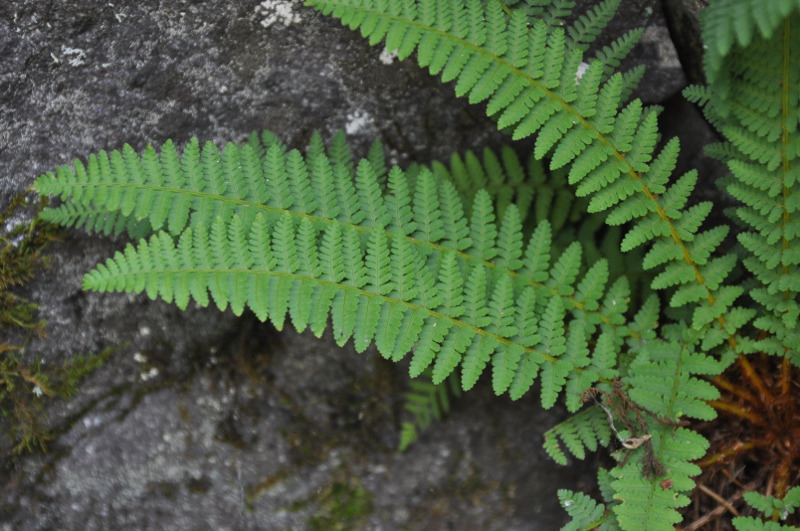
(426, 401)
(772, 508)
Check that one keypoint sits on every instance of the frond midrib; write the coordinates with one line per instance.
(785, 109)
(320, 220)
(342, 287)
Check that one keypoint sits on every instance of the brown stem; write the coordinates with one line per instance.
(734, 389)
(737, 448)
(781, 476)
(786, 376)
(722, 501)
(755, 379)
(736, 410)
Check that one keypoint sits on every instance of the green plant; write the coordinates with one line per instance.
(25, 382)
(773, 508)
(433, 262)
(341, 505)
(426, 401)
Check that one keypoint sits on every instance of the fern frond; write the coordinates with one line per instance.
(585, 512)
(609, 145)
(587, 430)
(428, 214)
(611, 57)
(405, 270)
(551, 12)
(754, 104)
(589, 25)
(772, 507)
(427, 402)
(664, 383)
(726, 23)
(750, 523)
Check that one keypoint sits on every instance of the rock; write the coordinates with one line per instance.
(664, 75)
(683, 17)
(207, 420)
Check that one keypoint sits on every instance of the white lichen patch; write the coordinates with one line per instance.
(89, 422)
(73, 56)
(277, 12)
(149, 375)
(357, 121)
(582, 68)
(12, 224)
(387, 57)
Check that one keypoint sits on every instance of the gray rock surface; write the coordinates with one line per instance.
(207, 421)
(683, 19)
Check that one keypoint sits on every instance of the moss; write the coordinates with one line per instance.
(363, 413)
(164, 489)
(341, 505)
(199, 485)
(21, 255)
(25, 382)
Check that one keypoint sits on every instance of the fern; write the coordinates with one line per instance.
(487, 265)
(587, 430)
(665, 395)
(427, 402)
(464, 294)
(585, 512)
(772, 508)
(755, 108)
(664, 385)
(528, 77)
(727, 23)
(462, 291)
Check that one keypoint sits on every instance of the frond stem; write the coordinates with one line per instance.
(345, 287)
(516, 276)
(737, 411)
(744, 394)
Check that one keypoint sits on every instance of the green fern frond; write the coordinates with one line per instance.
(611, 56)
(755, 107)
(431, 217)
(750, 523)
(772, 507)
(665, 381)
(664, 384)
(589, 25)
(397, 269)
(585, 512)
(279, 272)
(427, 402)
(551, 12)
(528, 75)
(726, 23)
(586, 430)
